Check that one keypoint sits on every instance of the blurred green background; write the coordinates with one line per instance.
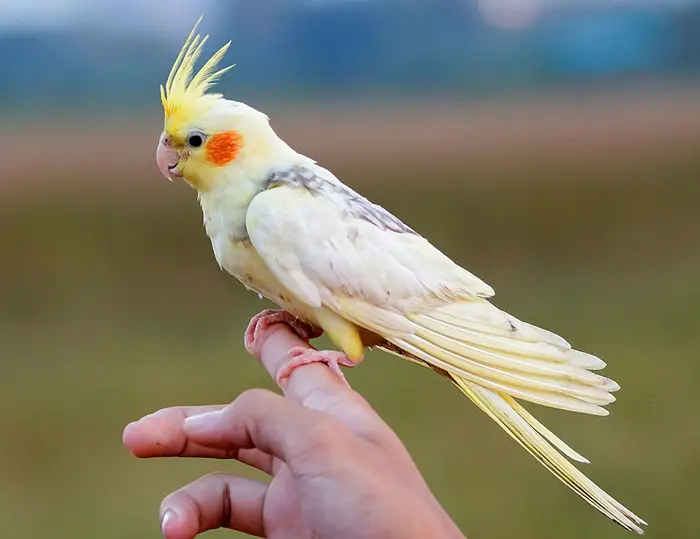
(580, 206)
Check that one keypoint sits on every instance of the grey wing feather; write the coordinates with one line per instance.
(326, 238)
(317, 179)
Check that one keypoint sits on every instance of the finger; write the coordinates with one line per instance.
(214, 501)
(306, 379)
(315, 386)
(279, 339)
(266, 421)
(161, 435)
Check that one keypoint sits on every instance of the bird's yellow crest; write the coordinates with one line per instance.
(185, 93)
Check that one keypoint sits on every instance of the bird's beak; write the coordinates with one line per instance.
(168, 159)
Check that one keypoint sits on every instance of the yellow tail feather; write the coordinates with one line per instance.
(531, 435)
(494, 358)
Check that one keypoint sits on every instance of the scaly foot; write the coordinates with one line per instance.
(299, 356)
(260, 322)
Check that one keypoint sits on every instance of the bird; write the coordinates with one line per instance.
(336, 263)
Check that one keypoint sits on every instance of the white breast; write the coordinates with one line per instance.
(237, 256)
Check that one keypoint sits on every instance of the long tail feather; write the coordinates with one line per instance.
(537, 440)
(494, 358)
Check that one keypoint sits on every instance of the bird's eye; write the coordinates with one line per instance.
(195, 140)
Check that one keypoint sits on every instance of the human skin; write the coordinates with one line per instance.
(338, 471)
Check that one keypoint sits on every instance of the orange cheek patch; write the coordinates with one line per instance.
(223, 147)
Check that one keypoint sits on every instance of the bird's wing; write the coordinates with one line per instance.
(325, 241)
(333, 248)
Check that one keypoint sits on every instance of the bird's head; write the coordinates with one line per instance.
(207, 138)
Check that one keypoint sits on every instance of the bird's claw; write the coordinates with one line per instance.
(261, 321)
(299, 356)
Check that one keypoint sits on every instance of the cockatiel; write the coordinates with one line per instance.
(335, 262)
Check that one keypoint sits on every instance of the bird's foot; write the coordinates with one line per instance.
(299, 356)
(262, 321)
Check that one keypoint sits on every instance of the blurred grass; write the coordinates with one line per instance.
(112, 306)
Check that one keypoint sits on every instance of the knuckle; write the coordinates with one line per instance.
(252, 398)
(213, 477)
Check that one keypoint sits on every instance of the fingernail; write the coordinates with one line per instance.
(202, 422)
(168, 516)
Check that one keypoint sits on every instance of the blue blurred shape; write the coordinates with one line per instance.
(335, 44)
(608, 42)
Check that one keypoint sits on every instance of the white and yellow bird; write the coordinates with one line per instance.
(289, 230)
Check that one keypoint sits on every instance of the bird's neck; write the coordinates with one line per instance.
(225, 203)
(224, 207)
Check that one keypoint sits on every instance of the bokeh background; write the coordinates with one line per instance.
(551, 146)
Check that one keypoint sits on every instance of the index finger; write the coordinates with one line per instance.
(162, 435)
(260, 419)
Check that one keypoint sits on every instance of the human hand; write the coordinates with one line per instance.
(338, 471)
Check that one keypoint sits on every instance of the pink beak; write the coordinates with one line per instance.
(168, 159)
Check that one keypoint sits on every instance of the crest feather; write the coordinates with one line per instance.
(183, 88)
